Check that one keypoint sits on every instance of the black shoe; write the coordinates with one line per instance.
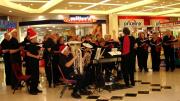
(172, 70)
(76, 95)
(85, 92)
(33, 93)
(146, 70)
(38, 91)
(132, 84)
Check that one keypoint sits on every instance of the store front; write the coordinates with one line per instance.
(67, 25)
(146, 23)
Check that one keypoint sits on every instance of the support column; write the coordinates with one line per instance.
(113, 26)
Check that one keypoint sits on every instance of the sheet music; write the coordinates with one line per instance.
(99, 53)
(114, 51)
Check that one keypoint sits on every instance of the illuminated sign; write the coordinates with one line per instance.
(132, 23)
(80, 19)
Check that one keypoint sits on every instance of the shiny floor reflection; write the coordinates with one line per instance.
(151, 86)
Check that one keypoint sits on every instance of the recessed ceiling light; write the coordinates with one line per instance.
(40, 17)
(10, 11)
(60, 16)
(126, 2)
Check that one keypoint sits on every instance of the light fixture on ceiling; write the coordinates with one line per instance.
(99, 3)
(50, 30)
(126, 2)
(10, 11)
(87, 3)
(30, 1)
(41, 17)
(60, 17)
(31, 4)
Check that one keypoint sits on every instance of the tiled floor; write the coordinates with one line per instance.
(151, 86)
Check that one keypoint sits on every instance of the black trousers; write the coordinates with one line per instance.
(155, 60)
(169, 58)
(8, 69)
(142, 57)
(14, 79)
(127, 67)
(81, 81)
(48, 70)
(34, 72)
(56, 73)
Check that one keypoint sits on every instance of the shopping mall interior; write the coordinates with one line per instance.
(77, 50)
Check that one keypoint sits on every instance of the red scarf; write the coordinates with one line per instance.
(126, 45)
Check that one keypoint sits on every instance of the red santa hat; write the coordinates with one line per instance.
(10, 31)
(63, 48)
(31, 33)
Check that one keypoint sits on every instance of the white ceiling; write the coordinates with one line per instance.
(121, 7)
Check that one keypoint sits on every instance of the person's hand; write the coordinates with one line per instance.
(135, 46)
(21, 48)
(5, 51)
(38, 57)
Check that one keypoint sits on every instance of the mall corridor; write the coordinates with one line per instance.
(150, 86)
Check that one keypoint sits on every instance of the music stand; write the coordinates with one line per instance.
(98, 71)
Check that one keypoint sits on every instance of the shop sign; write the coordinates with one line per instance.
(80, 19)
(157, 22)
(7, 24)
(132, 23)
(169, 24)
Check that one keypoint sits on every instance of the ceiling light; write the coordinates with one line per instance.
(126, 2)
(40, 17)
(35, 1)
(31, 4)
(85, 3)
(10, 11)
(50, 30)
(60, 16)
(99, 3)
